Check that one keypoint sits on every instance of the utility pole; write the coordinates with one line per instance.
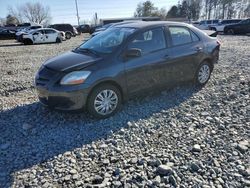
(77, 13)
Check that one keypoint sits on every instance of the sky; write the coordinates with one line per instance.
(64, 11)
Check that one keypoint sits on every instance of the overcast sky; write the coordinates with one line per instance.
(64, 11)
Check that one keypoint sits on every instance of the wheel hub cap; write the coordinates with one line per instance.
(105, 102)
(203, 74)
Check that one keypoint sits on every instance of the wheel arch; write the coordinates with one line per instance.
(111, 82)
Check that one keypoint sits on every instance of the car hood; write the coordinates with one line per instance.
(71, 60)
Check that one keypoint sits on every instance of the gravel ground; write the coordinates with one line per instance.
(184, 137)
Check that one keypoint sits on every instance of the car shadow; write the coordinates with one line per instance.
(11, 45)
(32, 134)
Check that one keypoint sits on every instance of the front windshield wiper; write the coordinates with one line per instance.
(88, 50)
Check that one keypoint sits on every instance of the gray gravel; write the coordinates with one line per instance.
(184, 137)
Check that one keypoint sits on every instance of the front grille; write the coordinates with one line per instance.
(44, 76)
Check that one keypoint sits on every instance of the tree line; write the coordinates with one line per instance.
(28, 12)
(197, 9)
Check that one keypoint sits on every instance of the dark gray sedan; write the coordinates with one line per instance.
(124, 61)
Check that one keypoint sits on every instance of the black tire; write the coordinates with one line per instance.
(58, 40)
(213, 29)
(92, 98)
(198, 75)
(68, 35)
(230, 32)
(27, 42)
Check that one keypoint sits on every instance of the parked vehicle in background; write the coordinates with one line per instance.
(223, 23)
(44, 35)
(67, 28)
(93, 28)
(85, 28)
(195, 23)
(205, 24)
(7, 34)
(19, 34)
(242, 27)
(122, 62)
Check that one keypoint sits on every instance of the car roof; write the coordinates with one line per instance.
(144, 24)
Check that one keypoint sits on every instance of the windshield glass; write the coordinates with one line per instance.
(107, 41)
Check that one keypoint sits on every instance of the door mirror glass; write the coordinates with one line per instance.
(133, 52)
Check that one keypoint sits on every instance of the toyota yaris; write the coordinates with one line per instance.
(124, 61)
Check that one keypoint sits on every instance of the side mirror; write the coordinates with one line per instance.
(133, 52)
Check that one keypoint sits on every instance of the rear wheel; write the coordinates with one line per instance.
(230, 32)
(58, 40)
(27, 42)
(68, 35)
(203, 73)
(104, 101)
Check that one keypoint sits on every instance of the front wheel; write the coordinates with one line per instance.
(68, 35)
(104, 101)
(203, 74)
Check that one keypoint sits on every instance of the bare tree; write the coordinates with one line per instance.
(32, 12)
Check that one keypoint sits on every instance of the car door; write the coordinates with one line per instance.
(38, 37)
(186, 53)
(246, 26)
(146, 72)
(50, 35)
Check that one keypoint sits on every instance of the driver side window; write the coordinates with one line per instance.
(149, 41)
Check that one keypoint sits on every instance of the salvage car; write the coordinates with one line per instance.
(19, 34)
(242, 27)
(45, 35)
(124, 61)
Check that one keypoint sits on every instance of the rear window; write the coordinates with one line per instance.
(180, 35)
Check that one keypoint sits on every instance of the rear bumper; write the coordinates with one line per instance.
(63, 100)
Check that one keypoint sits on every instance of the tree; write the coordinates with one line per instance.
(145, 9)
(173, 12)
(194, 7)
(11, 20)
(32, 12)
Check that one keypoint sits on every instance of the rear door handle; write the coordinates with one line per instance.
(166, 56)
(198, 49)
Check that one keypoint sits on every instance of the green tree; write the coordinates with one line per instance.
(146, 8)
(173, 12)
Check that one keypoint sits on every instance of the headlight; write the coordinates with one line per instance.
(76, 77)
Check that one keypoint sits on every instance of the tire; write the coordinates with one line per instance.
(95, 102)
(68, 35)
(213, 29)
(27, 42)
(58, 40)
(230, 32)
(203, 73)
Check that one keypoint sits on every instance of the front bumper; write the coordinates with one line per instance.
(63, 100)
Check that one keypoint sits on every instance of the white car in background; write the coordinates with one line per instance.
(223, 23)
(44, 35)
(206, 24)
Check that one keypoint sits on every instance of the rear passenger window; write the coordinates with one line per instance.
(49, 31)
(180, 35)
(149, 41)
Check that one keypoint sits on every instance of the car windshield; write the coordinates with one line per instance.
(107, 41)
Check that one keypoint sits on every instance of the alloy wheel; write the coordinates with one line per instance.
(204, 73)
